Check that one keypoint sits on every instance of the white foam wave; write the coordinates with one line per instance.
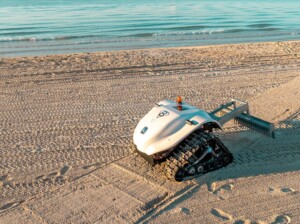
(206, 31)
(33, 39)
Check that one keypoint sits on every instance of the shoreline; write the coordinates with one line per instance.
(177, 50)
(150, 48)
(177, 60)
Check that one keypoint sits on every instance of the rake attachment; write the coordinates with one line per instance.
(239, 111)
(256, 124)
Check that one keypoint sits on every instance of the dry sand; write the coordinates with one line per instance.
(66, 153)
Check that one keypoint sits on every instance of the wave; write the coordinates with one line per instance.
(204, 32)
(178, 33)
(137, 35)
(181, 32)
(260, 25)
(49, 38)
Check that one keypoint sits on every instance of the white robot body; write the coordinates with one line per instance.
(165, 126)
(181, 136)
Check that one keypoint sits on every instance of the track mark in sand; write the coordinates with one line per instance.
(40, 177)
(64, 170)
(283, 190)
(282, 219)
(287, 49)
(222, 192)
(221, 215)
(139, 176)
(136, 187)
(128, 194)
(185, 211)
(56, 177)
(8, 206)
(3, 177)
(23, 189)
(279, 219)
(247, 221)
(211, 186)
(91, 167)
(34, 214)
(167, 204)
(227, 187)
(287, 190)
(240, 221)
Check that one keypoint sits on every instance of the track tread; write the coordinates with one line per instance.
(185, 154)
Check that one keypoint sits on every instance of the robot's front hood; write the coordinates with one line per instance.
(165, 126)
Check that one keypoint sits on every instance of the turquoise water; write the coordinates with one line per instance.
(35, 27)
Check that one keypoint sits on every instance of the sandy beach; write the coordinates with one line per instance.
(67, 121)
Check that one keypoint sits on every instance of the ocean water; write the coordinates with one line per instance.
(40, 27)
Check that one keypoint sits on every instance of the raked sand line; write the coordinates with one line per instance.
(64, 170)
(282, 219)
(221, 214)
(279, 103)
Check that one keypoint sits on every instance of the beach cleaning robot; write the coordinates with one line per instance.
(182, 136)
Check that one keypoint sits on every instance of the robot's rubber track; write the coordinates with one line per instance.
(199, 153)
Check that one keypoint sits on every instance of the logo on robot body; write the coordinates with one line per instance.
(162, 114)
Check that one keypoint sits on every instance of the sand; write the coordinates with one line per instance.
(66, 146)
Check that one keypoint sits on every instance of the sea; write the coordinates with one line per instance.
(42, 27)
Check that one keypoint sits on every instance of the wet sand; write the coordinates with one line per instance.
(66, 146)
